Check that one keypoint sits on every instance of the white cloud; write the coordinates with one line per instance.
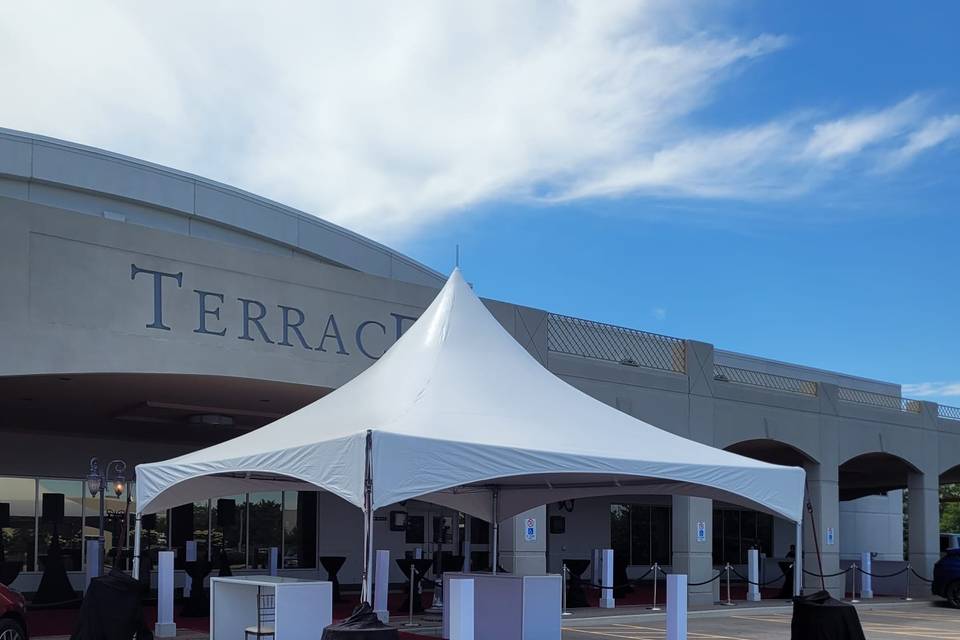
(932, 389)
(388, 116)
(934, 132)
(660, 313)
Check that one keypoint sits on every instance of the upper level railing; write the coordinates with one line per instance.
(947, 412)
(765, 380)
(896, 403)
(629, 347)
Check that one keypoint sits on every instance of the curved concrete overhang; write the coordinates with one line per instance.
(97, 182)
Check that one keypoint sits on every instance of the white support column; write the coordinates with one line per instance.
(460, 603)
(93, 562)
(753, 574)
(381, 586)
(866, 583)
(606, 593)
(273, 560)
(676, 606)
(137, 530)
(189, 556)
(165, 627)
(798, 562)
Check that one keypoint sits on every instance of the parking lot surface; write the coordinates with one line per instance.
(921, 620)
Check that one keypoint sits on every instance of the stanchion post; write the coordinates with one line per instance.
(729, 602)
(906, 585)
(853, 580)
(656, 569)
(677, 606)
(410, 622)
(566, 573)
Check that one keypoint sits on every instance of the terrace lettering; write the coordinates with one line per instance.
(286, 327)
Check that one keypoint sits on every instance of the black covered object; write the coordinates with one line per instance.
(621, 583)
(362, 625)
(111, 610)
(54, 586)
(422, 566)
(786, 589)
(819, 616)
(4, 515)
(52, 507)
(198, 604)
(223, 565)
(575, 595)
(332, 565)
(226, 512)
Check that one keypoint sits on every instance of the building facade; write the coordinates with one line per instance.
(148, 313)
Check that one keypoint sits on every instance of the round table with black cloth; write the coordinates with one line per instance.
(786, 589)
(198, 604)
(820, 616)
(55, 587)
(111, 610)
(575, 595)
(332, 565)
(363, 624)
(422, 566)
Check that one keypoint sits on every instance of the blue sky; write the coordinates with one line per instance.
(859, 275)
(773, 177)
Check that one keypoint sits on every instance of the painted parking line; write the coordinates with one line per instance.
(691, 634)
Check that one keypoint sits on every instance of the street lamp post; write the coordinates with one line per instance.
(97, 482)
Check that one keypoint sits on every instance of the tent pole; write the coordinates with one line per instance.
(366, 590)
(798, 561)
(136, 548)
(495, 542)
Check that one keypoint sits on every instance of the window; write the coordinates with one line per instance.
(67, 528)
(642, 533)
(229, 529)
(299, 529)
(415, 530)
(18, 532)
(265, 526)
(735, 531)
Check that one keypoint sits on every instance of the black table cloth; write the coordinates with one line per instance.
(332, 565)
(198, 604)
(575, 595)
(111, 610)
(55, 585)
(362, 625)
(422, 566)
(822, 617)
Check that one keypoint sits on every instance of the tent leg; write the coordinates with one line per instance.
(366, 577)
(798, 562)
(495, 541)
(136, 548)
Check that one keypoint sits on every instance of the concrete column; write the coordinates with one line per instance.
(824, 495)
(923, 541)
(692, 555)
(519, 553)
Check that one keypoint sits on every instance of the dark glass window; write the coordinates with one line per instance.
(642, 533)
(415, 529)
(735, 531)
(18, 533)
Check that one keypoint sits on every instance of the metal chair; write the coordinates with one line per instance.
(266, 616)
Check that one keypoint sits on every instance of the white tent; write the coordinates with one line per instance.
(459, 414)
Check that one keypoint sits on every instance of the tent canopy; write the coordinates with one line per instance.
(455, 408)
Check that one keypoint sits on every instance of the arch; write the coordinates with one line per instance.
(873, 473)
(951, 475)
(772, 451)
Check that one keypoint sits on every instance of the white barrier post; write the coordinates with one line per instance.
(189, 556)
(753, 575)
(676, 606)
(866, 586)
(273, 558)
(381, 585)
(93, 562)
(418, 553)
(165, 627)
(606, 593)
(461, 603)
